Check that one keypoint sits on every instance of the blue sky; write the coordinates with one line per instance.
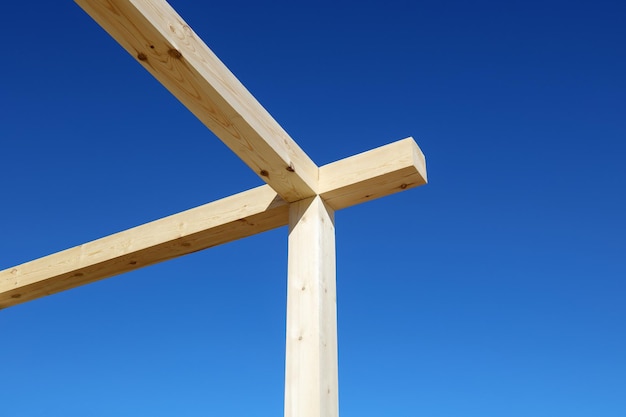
(496, 290)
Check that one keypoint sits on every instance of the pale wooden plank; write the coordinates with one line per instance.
(222, 221)
(154, 34)
(311, 381)
(376, 173)
(373, 174)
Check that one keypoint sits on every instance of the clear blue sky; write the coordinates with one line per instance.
(496, 290)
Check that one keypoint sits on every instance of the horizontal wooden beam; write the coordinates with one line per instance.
(376, 173)
(222, 221)
(160, 40)
(373, 174)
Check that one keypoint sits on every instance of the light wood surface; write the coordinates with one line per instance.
(373, 174)
(222, 221)
(160, 40)
(363, 177)
(311, 379)
(297, 193)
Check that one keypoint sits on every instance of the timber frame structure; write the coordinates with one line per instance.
(297, 193)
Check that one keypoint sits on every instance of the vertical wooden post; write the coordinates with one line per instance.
(311, 379)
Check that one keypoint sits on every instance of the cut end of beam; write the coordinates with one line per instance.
(373, 174)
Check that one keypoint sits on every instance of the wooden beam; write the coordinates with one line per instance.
(160, 40)
(376, 173)
(222, 221)
(311, 381)
(373, 174)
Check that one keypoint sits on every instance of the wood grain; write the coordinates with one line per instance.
(160, 40)
(311, 381)
(373, 174)
(222, 221)
(367, 176)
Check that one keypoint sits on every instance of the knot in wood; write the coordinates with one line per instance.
(175, 53)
